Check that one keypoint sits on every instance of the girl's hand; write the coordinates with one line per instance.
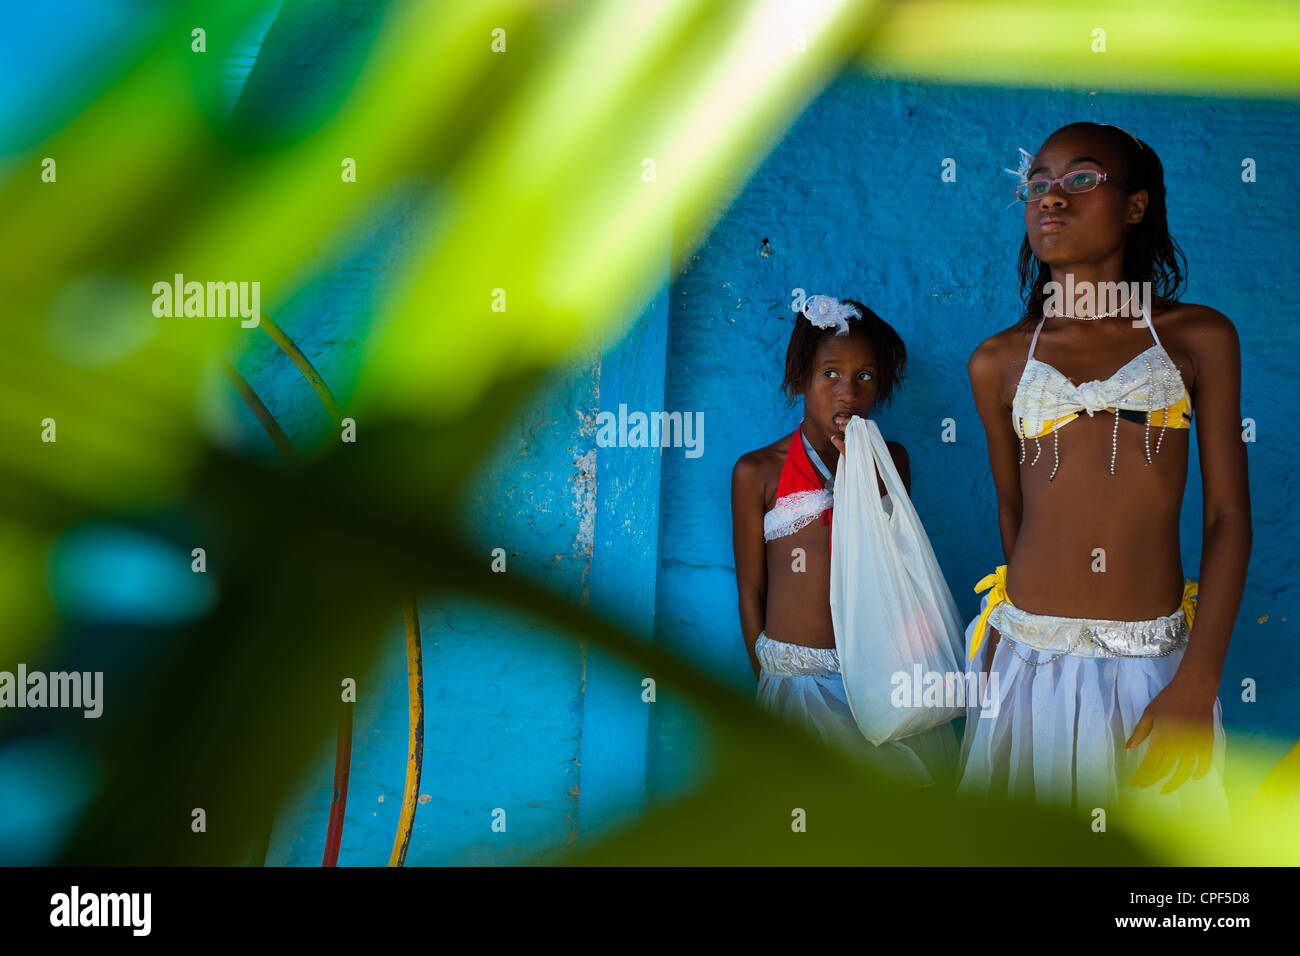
(1180, 723)
(838, 443)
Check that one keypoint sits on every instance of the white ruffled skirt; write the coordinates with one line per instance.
(1053, 725)
(803, 685)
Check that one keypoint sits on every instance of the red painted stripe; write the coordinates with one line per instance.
(339, 799)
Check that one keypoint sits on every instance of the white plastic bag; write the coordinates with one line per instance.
(895, 620)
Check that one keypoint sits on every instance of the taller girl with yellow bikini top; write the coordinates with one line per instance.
(1104, 662)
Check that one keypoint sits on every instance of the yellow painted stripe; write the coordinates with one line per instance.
(304, 365)
(415, 737)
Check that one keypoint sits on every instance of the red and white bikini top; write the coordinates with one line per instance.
(801, 498)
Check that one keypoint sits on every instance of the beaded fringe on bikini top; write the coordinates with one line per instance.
(1149, 383)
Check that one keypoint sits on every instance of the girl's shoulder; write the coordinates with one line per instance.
(897, 450)
(1000, 358)
(761, 467)
(1009, 343)
(766, 456)
(1196, 336)
(1191, 323)
(902, 464)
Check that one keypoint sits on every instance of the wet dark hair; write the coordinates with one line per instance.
(891, 353)
(1150, 254)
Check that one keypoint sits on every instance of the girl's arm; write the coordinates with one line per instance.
(1180, 718)
(750, 552)
(1227, 536)
(985, 369)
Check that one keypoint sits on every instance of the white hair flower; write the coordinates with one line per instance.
(827, 312)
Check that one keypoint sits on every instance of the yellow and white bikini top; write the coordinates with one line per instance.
(1148, 389)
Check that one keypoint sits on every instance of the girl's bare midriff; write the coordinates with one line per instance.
(1092, 544)
(798, 606)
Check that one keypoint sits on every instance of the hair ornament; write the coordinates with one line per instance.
(1026, 163)
(1021, 172)
(828, 312)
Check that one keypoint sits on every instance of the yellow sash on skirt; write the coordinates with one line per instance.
(998, 582)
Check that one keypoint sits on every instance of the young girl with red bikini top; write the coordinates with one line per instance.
(842, 359)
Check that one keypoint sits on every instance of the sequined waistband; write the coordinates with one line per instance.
(779, 659)
(1091, 637)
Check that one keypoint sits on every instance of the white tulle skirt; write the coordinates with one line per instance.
(1053, 726)
(803, 685)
